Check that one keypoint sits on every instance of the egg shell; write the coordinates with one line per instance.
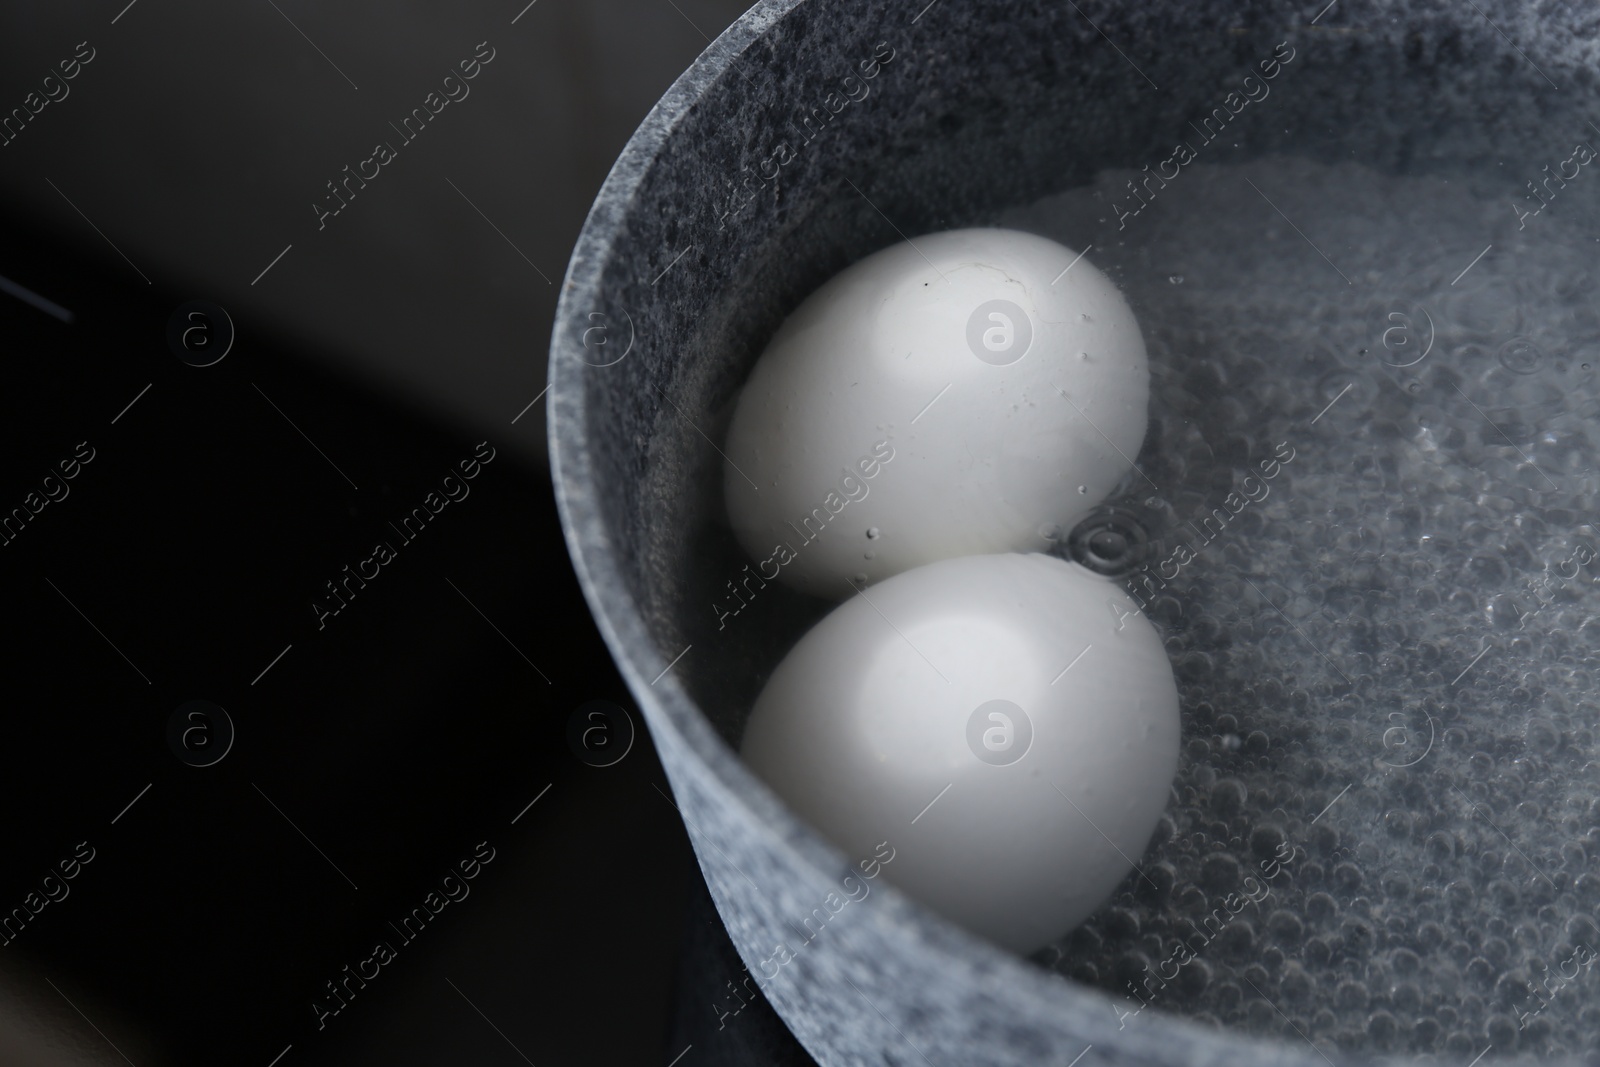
(879, 726)
(1001, 373)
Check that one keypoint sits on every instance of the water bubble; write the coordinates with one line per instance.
(1112, 541)
(1502, 1032)
(1347, 876)
(1296, 984)
(1285, 927)
(1220, 871)
(1521, 356)
(1266, 840)
(1541, 736)
(1504, 614)
(1228, 796)
(873, 533)
(1383, 1028)
(1122, 924)
(1352, 996)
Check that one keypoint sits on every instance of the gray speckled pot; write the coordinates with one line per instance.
(727, 208)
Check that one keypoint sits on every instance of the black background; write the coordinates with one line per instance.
(376, 750)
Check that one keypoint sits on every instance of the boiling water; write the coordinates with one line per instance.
(1384, 835)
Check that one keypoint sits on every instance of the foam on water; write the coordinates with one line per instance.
(1386, 652)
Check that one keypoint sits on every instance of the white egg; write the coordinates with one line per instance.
(973, 391)
(1008, 723)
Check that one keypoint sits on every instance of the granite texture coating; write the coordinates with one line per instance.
(728, 207)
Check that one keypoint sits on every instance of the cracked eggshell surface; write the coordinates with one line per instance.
(1008, 723)
(1011, 396)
